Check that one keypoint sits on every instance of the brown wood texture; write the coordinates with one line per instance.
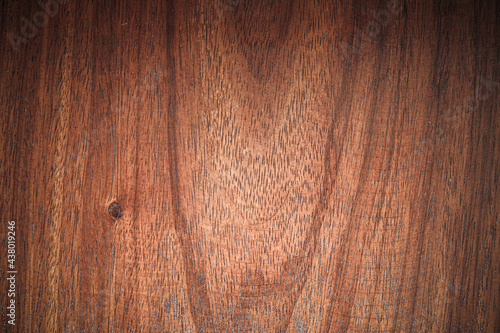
(251, 166)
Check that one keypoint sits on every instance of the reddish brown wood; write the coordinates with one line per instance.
(230, 165)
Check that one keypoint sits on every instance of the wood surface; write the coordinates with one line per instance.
(251, 166)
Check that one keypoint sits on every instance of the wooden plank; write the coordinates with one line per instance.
(233, 165)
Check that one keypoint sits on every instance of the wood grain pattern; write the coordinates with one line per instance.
(281, 166)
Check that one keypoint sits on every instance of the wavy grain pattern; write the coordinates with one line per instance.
(251, 166)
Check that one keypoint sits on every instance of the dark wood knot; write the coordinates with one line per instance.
(115, 210)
